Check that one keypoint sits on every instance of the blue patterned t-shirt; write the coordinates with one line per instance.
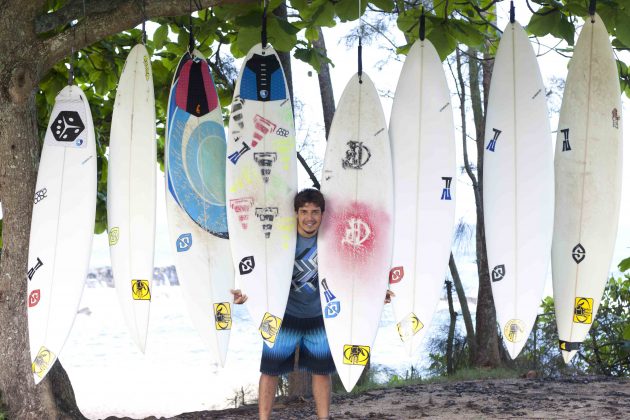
(304, 294)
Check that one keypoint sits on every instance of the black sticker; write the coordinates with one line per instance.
(498, 272)
(67, 126)
(578, 253)
(32, 271)
(246, 265)
(357, 155)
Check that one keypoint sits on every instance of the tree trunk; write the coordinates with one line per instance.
(325, 85)
(463, 303)
(451, 329)
(487, 338)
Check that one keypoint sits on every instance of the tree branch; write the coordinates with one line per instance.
(308, 170)
(99, 24)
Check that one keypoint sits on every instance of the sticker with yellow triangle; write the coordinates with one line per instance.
(43, 361)
(269, 327)
(222, 316)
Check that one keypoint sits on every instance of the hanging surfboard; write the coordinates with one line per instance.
(355, 238)
(131, 187)
(195, 201)
(261, 186)
(62, 227)
(517, 187)
(588, 167)
(423, 152)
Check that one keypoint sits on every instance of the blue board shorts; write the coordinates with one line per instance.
(309, 333)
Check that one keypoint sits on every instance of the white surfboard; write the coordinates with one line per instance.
(261, 186)
(62, 227)
(588, 167)
(423, 152)
(355, 238)
(518, 193)
(131, 192)
(195, 202)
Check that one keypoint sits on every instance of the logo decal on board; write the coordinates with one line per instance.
(578, 253)
(42, 362)
(269, 327)
(140, 290)
(262, 127)
(357, 232)
(40, 195)
(568, 345)
(356, 355)
(222, 316)
(241, 207)
(33, 298)
(31, 271)
(498, 272)
(446, 192)
(396, 274)
(147, 71)
(184, 242)
(246, 265)
(67, 126)
(409, 326)
(493, 142)
(266, 216)
(282, 132)
(357, 155)
(615, 118)
(583, 310)
(566, 146)
(333, 306)
(114, 235)
(237, 111)
(265, 161)
(234, 157)
(514, 330)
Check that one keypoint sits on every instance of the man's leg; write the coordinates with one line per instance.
(321, 393)
(266, 395)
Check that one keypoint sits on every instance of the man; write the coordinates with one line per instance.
(303, 323)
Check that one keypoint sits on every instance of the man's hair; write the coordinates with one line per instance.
(309, 195)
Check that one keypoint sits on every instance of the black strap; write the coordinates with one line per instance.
(360, 60)
(568, 345)
(592, 7)
(511, 11)
(263, 31)
(421, 33)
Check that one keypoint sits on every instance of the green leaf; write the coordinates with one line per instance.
(467, 33)
(442, 40)
(406, 21)
(624, 264)
(159, 36)
(245, 39)
(312, 34)
(543, 24)
(325, 15)
(385, 5)
(565, 30)
(349, 9)
(623, 29)
(281, 34)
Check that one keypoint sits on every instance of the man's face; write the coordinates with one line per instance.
(309, 217)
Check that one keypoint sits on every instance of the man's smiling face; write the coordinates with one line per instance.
(309, 217)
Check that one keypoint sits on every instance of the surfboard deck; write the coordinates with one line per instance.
(423, 151)
(588, 166)
(261, 185)
(131, 190)
(62, 227)
(195, 202)
(355, 238)
(518, 187)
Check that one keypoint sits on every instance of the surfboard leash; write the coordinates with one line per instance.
(263, 28)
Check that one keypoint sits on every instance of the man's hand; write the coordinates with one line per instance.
(239, 298)
(388, 296)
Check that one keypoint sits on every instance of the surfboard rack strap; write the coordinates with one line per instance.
(422, 31)
(568, 345)
(71, 69)
(263, 30)
(360, 57)
(592, 6)
(511, 11)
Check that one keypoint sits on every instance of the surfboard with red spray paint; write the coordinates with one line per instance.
(355, 239)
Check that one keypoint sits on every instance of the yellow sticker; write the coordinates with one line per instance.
(514, 330)
(113, 236)
(409, 326)
(269, 327)
(222, 316)
(140, 290)
(147, 73)
(43, 361)
(583, 311)
(356, 355)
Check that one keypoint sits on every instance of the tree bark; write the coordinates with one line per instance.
(451, 329)
(487, 338)
(325, 84)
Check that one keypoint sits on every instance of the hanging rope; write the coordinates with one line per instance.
(191, 37)
(360, 56)
(592, 7)
(263, 30)
(512, 20)
(71, 70)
